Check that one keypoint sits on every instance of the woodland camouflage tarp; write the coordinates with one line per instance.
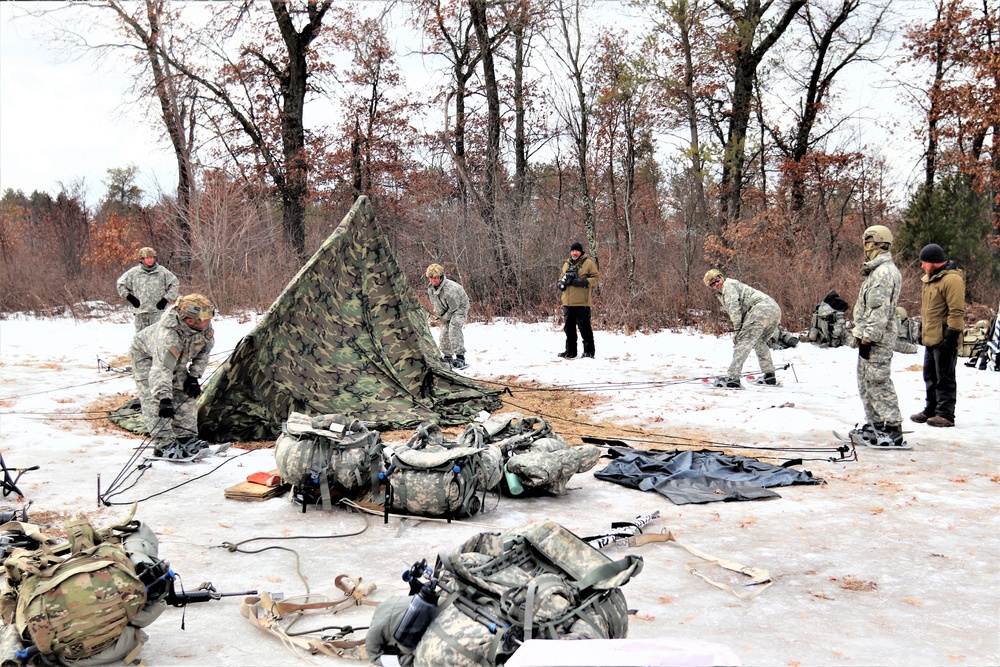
(346, 336)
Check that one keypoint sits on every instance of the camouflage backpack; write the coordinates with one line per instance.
(532, 451)
(829, 326)
(328, 455)
(431, 477)
(85, 607)
(539, 581)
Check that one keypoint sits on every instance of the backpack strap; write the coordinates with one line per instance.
(609, 570)
(82, 536)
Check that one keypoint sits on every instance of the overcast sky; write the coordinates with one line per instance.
(65, 120)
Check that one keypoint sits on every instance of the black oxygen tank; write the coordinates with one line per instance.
(420, 613)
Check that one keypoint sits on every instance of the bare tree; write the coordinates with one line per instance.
(748, 47)
(836, 36)
(491, 186)
(277, 75)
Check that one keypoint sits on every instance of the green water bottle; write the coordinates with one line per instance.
(513, 483)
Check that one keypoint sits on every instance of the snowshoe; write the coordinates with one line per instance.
(874, 438)
(767, 380)
(726, 383)
(187, 450)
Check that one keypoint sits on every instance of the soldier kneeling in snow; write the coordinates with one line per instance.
(168, 358)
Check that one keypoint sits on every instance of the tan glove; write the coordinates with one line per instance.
(855, 342)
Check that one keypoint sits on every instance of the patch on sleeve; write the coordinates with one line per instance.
(209, 334)
(170, 358)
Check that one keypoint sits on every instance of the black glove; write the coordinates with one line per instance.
(864, 350)
(166, 408)
(161, 304)
(951, 339)
(580, 282)
(131, 299)
(191, 386)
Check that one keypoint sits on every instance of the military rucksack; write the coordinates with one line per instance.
(84, 602)
(431, 477)
(328, 456)
(539, 581)
(828, 327)
(532, 451)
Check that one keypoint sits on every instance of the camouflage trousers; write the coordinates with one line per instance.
(164, 431)
(143, 320)
(758, 325)
(452, 339)
(878, 394)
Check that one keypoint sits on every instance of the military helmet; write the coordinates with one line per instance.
(146, 252)
(877, 234)
(195, 306)
(435, 271)
(710, 276)
(901, 312)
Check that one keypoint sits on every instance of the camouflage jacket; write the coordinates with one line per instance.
(739, 299)
(448, 298)
(875, 310)
(149, 285)
(176, 351)
(585, 268)
(942, 303)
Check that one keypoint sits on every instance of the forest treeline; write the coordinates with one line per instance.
(709, 134)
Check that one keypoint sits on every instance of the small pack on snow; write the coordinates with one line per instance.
(327, 457)
(84, 602)
(535, 457)
(782, 340)
(829, 322)
(499, 589)
(429, 476)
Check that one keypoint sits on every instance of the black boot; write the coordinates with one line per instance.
(893, 432)
(568, 355)
(459, 361)
(769, 378)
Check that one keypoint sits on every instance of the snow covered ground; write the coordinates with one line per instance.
(895, 561)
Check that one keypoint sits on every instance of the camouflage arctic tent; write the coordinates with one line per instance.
(346, 335)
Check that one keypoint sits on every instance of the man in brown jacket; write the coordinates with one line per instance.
(578, 277)
(942, 312)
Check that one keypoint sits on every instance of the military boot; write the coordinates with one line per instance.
(459, 362)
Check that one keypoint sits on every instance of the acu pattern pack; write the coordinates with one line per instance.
(346, 336)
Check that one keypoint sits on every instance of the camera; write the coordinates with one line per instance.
(567, 279)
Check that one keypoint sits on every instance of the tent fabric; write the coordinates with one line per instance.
(699, 477)
(346, 336)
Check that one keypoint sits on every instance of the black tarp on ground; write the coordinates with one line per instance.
(699, 477)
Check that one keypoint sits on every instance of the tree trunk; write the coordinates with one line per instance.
(747, 57)
(491, 168)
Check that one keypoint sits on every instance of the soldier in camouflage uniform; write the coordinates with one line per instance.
(755, 316)
(149, 287)
(874, 334)
(168, 359)
(450, 304)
